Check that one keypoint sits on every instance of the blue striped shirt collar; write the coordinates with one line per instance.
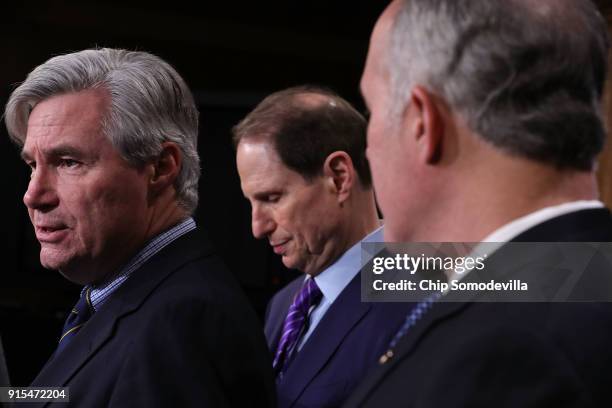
(100, 293)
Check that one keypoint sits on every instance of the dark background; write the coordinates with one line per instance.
(232, 55)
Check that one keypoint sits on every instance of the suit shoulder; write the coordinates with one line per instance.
(203, 286)
(206, 276)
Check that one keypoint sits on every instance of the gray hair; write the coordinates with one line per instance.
(527, 76)
(150, 104)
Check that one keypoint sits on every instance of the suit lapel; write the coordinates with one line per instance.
(129, 297)
(438, 313)
(278, 312)
(578, 226)
(586, 225)
(273, 332)
(505, 263)
(61, 368)
(346, 311)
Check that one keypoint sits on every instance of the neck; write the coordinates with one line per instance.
(363, 218)
(485, 201)
(160, 218)
(164, 218)
(359, 219)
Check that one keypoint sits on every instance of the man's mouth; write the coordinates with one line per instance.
(50, 233)
(279, 247)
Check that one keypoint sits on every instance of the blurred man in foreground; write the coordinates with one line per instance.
(485, 125)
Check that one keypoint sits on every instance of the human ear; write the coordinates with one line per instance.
(166, 167)
(427, 125)
(339, 171)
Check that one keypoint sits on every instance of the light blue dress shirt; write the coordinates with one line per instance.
(335, 278)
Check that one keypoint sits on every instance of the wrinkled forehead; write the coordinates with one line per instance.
(257, 157)
(260, 167)
(66, 119)
(75, 107)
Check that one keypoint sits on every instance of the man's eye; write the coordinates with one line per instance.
(273, 198)
(69, 163)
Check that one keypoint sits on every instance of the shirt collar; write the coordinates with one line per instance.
(518, 226)
(99, 293)
(337, 276)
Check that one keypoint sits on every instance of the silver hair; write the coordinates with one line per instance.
(150, 104)
(527, 76)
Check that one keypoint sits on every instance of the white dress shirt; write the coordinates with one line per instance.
(516, 227)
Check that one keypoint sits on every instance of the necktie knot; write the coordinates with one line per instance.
(309, 295)
(78, 316)
(295, 322)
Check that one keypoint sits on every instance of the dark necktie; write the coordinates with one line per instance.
(79, 315)
(308, 296)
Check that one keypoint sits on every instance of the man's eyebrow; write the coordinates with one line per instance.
(265, 193)
(65, 150)
(57, 151)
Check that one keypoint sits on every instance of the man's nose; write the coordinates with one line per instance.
(41, 193)
(262, 224)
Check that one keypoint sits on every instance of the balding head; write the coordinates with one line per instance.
(300, 155)
(305, 125)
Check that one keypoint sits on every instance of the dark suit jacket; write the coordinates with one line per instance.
(177, 333)
(467, 354)
(346, 343)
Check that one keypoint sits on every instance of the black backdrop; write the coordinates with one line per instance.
(231, 54)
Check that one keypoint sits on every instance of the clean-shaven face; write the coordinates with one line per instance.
(385, 151)
(299, 217)
(86, 203)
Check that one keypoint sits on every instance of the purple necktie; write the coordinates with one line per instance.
(309, 295)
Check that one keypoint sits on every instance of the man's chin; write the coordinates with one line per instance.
(51, 263)
(302, 266)
(291, 263)
(287, 262)
(66, 268)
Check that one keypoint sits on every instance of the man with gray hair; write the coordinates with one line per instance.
(110, 137)
(485, 126)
